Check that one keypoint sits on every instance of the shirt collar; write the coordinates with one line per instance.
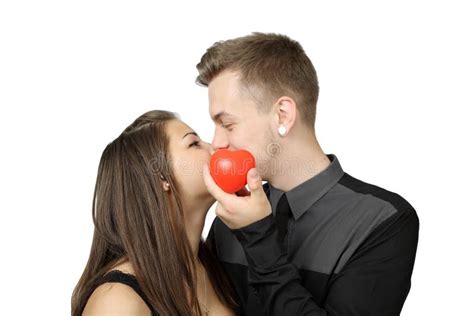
(309, 192)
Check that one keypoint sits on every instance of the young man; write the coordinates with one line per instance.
(327, 243)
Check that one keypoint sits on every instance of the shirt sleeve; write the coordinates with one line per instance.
(211, 239)
(375, 281)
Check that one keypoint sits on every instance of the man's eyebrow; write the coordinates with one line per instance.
(219, 115)
(190, 133)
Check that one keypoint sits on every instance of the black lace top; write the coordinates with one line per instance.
(117, 276)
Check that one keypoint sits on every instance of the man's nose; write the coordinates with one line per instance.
(219, 141)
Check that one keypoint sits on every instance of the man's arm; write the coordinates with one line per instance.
(375, 281)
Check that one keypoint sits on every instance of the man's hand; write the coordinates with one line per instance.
(237, 211)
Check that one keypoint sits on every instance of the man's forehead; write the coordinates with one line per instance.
(225, 86)
(225, 96)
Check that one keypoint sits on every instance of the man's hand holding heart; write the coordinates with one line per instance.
(237, 211)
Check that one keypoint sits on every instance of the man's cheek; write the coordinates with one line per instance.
(233, 142)
(239, 142)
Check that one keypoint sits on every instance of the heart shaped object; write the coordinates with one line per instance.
(229, 168)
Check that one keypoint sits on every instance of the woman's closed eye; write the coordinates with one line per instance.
(195, 143)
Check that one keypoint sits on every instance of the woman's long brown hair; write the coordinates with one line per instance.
(136, 219)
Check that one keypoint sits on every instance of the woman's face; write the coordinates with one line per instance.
(188, 154)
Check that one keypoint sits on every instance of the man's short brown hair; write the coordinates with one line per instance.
(272, 62)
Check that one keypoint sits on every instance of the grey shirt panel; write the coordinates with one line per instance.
(328, 233)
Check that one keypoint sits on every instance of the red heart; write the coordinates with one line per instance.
(229, 168)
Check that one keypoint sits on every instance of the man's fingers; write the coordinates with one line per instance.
(243, 192)
(254, 182)
(212, 187)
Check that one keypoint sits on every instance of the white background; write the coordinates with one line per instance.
(395, 106)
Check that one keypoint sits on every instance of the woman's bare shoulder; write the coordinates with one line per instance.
(115, 299)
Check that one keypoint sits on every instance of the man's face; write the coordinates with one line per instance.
(238, 124)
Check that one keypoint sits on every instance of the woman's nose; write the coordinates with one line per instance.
(209, 148)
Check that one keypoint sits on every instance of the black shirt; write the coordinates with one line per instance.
(349, 250)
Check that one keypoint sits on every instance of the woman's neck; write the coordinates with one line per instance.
(194, 222)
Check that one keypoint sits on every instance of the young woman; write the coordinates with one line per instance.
(149, 207)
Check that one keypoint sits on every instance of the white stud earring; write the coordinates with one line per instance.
(282, 130)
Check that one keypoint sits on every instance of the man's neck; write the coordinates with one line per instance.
(297, 165)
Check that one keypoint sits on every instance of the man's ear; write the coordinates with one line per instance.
(285, 108)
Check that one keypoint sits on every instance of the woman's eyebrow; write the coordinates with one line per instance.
(190, 133)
